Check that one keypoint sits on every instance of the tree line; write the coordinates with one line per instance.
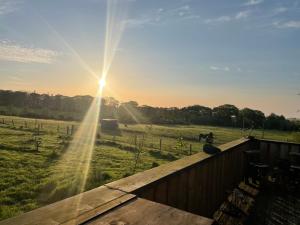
(61, 107)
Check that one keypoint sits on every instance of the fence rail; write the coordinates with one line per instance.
(196, 183)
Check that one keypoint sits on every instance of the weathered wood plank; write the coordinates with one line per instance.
(141, 212)
(248, 189)
(182, 191)
(173, 190)
(70, 208)
(161, 193)
(192, 190)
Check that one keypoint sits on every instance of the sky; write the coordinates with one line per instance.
(168, 52)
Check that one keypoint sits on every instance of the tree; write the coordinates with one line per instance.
(251, 118)
(222, 115)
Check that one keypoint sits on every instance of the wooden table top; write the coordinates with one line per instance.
(143, 212)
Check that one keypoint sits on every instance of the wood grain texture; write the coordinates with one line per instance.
(141, 212)
(83, 206)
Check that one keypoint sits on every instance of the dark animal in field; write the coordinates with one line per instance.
(208, 138)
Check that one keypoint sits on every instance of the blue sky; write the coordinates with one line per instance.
(171, 53)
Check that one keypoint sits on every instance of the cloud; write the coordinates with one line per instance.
(161, 15)
(222, 19)
(289, 24)
(17, 53)
(216, 68)
(253, 2)
(242, 14)
(280, 10)
(226, 68)
(8, 6)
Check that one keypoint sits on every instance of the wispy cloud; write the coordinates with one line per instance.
(280, 10)
(288, 24)
(242, 14)
(161, 15)
(253, 2)
(232, 68)
(17, 53)
(222, 19)
(216, 68)
(8, 6)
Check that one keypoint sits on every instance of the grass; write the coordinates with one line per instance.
(31, 178)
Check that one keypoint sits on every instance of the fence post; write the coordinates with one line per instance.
(72, 129)
(160, 143)
(190, 149)
(135, 141)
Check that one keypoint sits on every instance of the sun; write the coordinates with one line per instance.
(102, 83)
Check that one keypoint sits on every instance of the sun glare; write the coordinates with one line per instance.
(102, 83)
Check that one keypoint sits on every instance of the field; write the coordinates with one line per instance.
(32, 156)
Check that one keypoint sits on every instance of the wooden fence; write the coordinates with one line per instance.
(272, 151)
(196, 183)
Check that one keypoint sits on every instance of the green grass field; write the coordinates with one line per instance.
(31, 178)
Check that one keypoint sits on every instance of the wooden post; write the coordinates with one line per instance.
(37, 144)
(38, 129)
(72, 129)
(160, 143)
(190, 149)
(135, 140)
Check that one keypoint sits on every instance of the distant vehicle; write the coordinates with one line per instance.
(109, 124)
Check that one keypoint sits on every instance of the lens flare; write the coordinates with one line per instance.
(72, 171)
(102, 83)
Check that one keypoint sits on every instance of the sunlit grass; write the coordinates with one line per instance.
(30, 179)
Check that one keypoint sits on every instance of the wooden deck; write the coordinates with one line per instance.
(107, 207)
(140, 212)
(74, 210)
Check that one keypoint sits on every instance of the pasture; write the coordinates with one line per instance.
(32, 155)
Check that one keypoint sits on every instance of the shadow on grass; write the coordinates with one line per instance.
(17, 149)
(112, 132)
(161, 155)
(116, 145)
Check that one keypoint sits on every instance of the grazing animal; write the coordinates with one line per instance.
(209, 138)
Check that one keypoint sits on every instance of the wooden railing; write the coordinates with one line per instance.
(196, 183)
(272, 151)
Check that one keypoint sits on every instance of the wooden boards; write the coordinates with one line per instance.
(141, 212)
(73, 210)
